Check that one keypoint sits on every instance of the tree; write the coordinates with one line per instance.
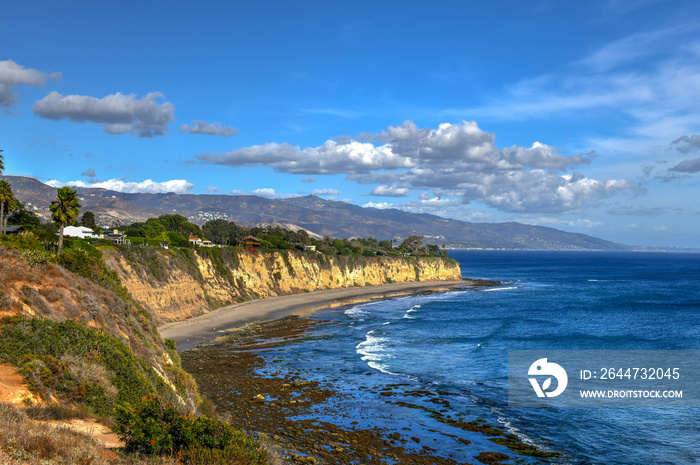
(433, 249)
(8, 203)
(23, 216)
(2, 162)
(216, 231)
(153, 228)
(412, 245)
(64, 209)
(88, 220)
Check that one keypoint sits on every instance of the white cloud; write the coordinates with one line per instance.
(264, 192)
(118, 113)
(330, 158)
(213, 190)
(212, 129)
(12, 74)
(453, 160)
(178, 186)
(390, 191)
(326, 191)
(379, 205)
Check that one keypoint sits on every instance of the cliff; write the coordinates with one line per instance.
(178, 284)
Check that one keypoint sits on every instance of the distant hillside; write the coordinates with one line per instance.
(317, 215)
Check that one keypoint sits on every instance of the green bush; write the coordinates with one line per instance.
(156, 427)
(35, 257)
(54, 357)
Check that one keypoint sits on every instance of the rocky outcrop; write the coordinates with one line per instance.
(182, 283)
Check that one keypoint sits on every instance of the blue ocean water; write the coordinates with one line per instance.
(402, 361)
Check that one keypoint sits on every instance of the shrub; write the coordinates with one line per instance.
(75, 362)
(156, 427)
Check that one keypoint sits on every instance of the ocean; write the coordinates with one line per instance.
(425, 364)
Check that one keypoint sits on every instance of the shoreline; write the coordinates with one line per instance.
(312, 416)
(188, 333)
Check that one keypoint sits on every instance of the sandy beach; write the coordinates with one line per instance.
(190, 332)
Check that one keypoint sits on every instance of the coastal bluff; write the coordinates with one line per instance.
(178, 284)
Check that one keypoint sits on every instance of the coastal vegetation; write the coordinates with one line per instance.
(86, 346)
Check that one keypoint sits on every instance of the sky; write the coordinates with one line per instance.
(582, 116)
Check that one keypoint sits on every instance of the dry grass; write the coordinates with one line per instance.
(25, 441)
(30, 442)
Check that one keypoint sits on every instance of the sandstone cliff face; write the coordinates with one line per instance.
(179, 284)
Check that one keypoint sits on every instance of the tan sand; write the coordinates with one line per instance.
(190, 332)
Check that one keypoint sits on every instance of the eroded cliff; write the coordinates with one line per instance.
(182, 283)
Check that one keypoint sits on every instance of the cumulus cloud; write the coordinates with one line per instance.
(452, 160)
(330, 158)
(326, 191)
(90, 173)
(213, 190)
(178, 186)
(118, 113)
(211, 129)
(12, 75)
(687, 144)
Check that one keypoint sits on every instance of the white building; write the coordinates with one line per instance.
(77, 231)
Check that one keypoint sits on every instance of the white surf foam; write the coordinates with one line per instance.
(372, 348)
(493, 289)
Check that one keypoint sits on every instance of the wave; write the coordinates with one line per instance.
(493, 289)
(357, 310)
(382, 368)
(372, 348)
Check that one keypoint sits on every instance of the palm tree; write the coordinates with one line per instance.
(2, 162)
(7, 202)
(65, 209)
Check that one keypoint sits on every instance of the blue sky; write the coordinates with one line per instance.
(582, 116)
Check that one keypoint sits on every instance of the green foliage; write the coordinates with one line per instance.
(412, 245)
(35, 257)
(8, 203)
(21, 242)
(152, 228)
(88, 220)
(24, 217)
(64, 210)
(40, 348)
(156, 427)
(85, 260)
(217, 231)
(157, 227)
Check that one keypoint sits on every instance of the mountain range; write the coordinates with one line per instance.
(320, 217)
